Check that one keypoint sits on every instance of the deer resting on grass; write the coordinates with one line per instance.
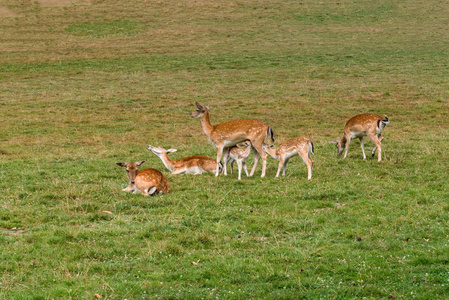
(230, 133)
(147, 181)
(196, 164)
(302, 146)
(370, 125)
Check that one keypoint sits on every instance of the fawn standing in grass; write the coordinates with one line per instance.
(239, 155)
(370, 125)
(302, 146)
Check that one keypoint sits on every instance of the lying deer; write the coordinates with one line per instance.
(239, 155)
(196, 164)
(302, 146)
(147, 181)
(231, 133)
(370, 125)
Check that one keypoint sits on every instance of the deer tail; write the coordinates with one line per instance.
(270, 133)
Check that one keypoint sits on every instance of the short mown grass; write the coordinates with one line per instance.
(86, 84)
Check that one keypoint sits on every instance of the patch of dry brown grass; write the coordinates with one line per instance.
(63, 2)
(5, 12)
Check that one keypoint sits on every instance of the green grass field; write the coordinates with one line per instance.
(88, 83)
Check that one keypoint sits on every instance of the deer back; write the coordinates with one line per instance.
(362, 123)
(239, 130)
(204, 162)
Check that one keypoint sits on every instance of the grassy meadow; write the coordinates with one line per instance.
(88, 83)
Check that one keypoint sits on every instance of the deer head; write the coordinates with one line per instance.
(340, 144)
(200, 111)
(159, 151)
(131, 169)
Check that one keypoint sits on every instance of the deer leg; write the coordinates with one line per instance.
(239, 164)
(305, 155)
(262, 153)
(374, 151)
(285, 166)
(347, 147)
(129, 188)
(281, 165)
(219, 155)
(380, 138)
(309, 164)
(264, 163)
(363, 148)
(232, 165)
(379, 153)
(225, 161)
(224, 170)
(179, 171)
(379, 149)
(256, 160)
(135, 190)
(377, 141)
(244, 167)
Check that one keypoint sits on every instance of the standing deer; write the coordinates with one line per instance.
(302, 146)
(239, 155)
(230, 133)
(147, 181)
(196, 164)
(370, 125)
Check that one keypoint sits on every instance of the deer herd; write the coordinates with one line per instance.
(227, 138)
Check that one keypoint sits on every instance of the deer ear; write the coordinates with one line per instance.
(171, 150)
(199, 106)
(207, 106)
(121, 164)
(140, 163)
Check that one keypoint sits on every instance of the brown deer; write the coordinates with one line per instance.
(239, 155)
(147, 181)
(302, 146)
(230, 133)
(196, 164)
(370, 125)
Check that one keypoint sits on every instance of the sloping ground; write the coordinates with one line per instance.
(85, 86)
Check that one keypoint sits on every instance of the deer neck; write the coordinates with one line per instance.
(169, 163)
(207, 126)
